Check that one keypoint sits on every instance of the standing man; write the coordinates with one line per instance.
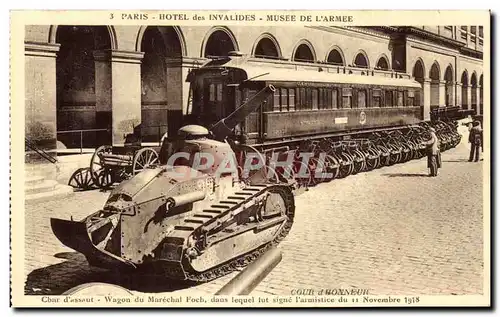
(433, 153)
(476, 141)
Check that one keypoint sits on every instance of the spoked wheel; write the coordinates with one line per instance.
(303, 174)
(143, 159)
(332, 166)
(98, 171)
(82, 179)
(359, 162)
(372, 160)
(346, 167)
(394, 157)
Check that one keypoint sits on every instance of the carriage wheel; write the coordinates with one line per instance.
(144, 158)
(97, 163)
(105, 179)
(82, 179)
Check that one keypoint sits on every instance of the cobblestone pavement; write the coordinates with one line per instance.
(391, 231)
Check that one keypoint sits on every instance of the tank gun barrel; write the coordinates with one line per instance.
(225, 126)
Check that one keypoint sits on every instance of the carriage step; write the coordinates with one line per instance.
(184, 228)
(252, 189)
(194, 221)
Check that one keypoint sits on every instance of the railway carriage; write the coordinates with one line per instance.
(306, 104)
(360, 121)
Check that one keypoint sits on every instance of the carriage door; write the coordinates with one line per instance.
(220, 100)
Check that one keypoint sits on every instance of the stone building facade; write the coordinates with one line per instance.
(121, 77)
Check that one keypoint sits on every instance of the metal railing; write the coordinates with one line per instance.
(81, 134)
(31, 145)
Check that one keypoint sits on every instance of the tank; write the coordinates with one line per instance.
(184, 221)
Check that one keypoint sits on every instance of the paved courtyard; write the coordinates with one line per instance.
(391, 231)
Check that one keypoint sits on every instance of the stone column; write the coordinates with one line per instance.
(126, 94)
(103, 92)
(427, 99)
(40, 96)
(478, 100)
(442, 93)
(458, 94)
(469, 97)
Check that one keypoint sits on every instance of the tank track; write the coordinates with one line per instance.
(172, 269)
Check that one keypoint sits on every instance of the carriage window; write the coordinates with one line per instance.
(308, 101)
(300, 99)
(314, 99)
(388, 98)
(291, 99)
(376, 97)
(247, 94)
(325, 98)
(284, 99)
(346, 97)
(400, 99)
(411, 98)
(212, 92)
(219, 92)
(334, 99)
(277, 100)
(361, 98)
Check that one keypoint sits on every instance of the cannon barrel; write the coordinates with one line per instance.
(184, 199)
(225, 126)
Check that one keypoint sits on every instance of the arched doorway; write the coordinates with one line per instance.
(474, 101)
(161, 82)
(361, 61)
(83, 84)
(481, 109)
(267, 47)
(220, 43)
(435, 76)
(418, 74)
(465, 85)
(304, 53)
(382, 63)
(335, 57)
(448, 77)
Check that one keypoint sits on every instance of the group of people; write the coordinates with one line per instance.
(433, 146)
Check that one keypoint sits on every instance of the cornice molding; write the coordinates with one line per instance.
(41, 49)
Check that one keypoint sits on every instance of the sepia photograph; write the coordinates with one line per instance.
(251, 159)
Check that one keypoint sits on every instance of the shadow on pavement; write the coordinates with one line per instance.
(456, 160)
(58, 278)
(406, 175)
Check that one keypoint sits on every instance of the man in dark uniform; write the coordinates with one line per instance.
(476, 141)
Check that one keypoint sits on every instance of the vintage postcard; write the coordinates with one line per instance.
(250, 158)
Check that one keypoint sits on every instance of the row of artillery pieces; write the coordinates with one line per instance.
(339, 158)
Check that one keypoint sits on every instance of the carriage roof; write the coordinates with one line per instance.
(280, 74)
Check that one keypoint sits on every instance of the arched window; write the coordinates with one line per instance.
(335, 57)
(219, 43)
(382, 63)
(267, 48)
(304, 53)
(361, 61)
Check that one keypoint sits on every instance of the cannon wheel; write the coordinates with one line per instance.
(143, 159)
(98, 171)
(82, 179)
